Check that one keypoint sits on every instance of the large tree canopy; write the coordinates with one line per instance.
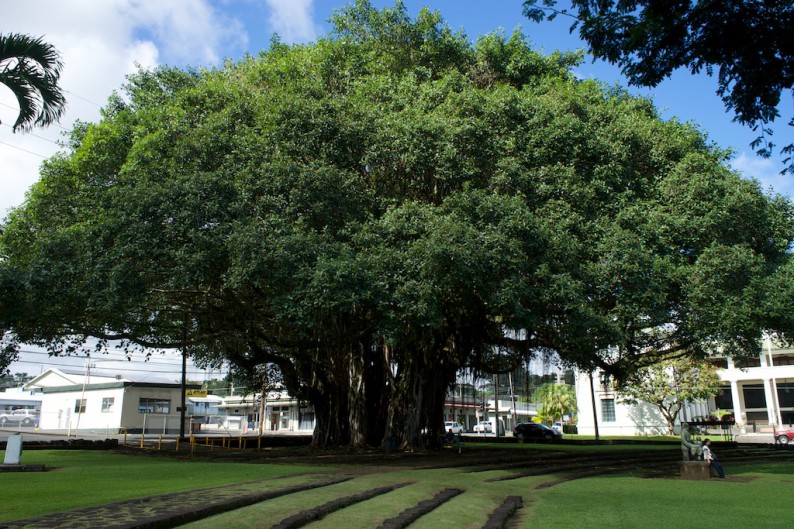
(747, 43)
(372, 212)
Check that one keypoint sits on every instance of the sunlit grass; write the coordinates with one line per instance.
(755, 495)
(83, 478)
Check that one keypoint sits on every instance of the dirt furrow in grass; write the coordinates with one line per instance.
(409, 516)
(168, 510)
(309, 515)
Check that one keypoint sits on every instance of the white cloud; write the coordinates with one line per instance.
(766, 171)
(292, 20)
(189, 31)
(100, 43)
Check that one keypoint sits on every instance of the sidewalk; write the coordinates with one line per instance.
(755, 438)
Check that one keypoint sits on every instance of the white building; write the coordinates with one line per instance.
(278, 412)
(109, 403)
(760, 395)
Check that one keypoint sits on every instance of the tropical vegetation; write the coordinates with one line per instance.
(372, 212)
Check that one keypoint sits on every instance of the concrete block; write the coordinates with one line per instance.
(697, 470)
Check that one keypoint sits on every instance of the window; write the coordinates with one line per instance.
(749, 362)
(146, 405)
(79, 406)
(785, 394)
(754, 397)
(608, 410)
(720, 363)
(724, 399)
(107, 404)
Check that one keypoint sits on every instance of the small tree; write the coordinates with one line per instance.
(667, 385)
(556, 401)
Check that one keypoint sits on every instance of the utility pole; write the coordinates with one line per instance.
(595, 415)
(184, 390)
(496, 402)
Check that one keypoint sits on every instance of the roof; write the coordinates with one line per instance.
(64, 380)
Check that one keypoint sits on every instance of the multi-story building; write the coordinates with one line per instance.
(759, 394)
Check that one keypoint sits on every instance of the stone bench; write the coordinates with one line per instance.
(695, 470)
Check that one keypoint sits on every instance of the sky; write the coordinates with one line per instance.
(101, 42)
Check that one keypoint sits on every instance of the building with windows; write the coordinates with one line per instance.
(758, 394)
(110, 403)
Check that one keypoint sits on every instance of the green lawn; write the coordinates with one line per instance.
(82, 478)
(754, 496)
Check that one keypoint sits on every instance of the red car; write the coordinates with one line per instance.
(784, 437)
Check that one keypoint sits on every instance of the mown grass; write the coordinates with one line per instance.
(85, 478)
(468, 510)
(754, 496)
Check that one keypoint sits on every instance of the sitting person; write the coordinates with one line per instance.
(450, 437)
(709, 456)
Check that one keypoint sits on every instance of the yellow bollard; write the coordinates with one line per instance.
(125, 438)
(143, 434)
(177, 444)
(160, 443)
(240, 446)
(259, 443)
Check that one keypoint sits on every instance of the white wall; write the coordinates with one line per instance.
(643, 419)
(57, 410)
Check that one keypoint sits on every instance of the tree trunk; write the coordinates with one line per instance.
(357, 397)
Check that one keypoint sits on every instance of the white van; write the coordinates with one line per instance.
(452, 425)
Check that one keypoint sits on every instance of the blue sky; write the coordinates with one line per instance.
(101, 42)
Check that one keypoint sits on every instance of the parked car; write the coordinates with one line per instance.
(784, 437)
(483, 427)
(557, 427)
(455, 427)
(533, 430)
(21, 417)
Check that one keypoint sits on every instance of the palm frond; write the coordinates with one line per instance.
(31, 68)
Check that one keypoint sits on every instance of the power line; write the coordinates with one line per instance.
(34, 135)
(84, 99)
(198, 371)
(24, 150)
(101, 355)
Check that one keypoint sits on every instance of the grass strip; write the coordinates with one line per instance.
(159, 512)
(319, 512)
(408, 516)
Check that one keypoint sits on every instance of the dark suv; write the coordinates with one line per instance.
(533, 430)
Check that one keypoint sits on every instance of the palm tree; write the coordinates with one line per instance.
(31, 68)
(556, 401)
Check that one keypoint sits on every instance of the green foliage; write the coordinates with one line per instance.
(556, 401)
(669, 384)
(748, 42)
(372, 212)
(14, 380)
